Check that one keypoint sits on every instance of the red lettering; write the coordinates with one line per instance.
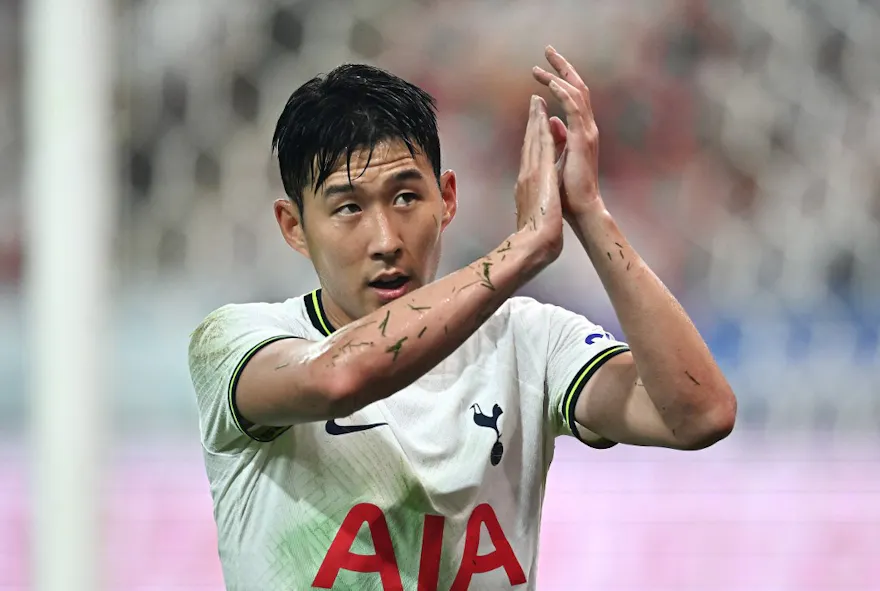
(501, 557)
(340, 557)
(432, 546)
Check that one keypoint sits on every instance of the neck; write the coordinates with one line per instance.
(334, 313)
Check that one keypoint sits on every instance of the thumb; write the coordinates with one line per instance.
(559, 133)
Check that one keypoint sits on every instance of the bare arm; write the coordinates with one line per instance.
(669, 391)
(293, 381)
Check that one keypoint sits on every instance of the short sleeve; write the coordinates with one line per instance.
(218, 351)
(575, 350)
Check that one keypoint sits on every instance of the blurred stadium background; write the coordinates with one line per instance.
(740, 152)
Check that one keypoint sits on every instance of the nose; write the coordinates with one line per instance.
(385, 241)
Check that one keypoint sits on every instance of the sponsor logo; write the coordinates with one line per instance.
(334, 428)
(383, 561)
(592, 338)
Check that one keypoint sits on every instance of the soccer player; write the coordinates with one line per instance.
(392, 430)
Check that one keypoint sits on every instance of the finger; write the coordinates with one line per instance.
(559, 133)
(565, 69)
(527, 154)
(541, 105)
(569, 74)
(573, 109)
(541, 129)
(545, 135)
(547, 161)
(545, 77)
(542, 75)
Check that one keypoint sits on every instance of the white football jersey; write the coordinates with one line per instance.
(436, 488)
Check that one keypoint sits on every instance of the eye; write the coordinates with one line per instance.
(406, 198)
(347, 209)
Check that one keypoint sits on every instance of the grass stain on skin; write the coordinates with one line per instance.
(395, 348)
(384, 324)
(486, 280)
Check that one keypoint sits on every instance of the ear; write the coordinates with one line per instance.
(449, 195)
(289, 220)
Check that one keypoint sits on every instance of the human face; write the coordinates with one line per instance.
(385, 223)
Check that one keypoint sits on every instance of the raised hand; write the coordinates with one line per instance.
(538, 206)
(577, 145)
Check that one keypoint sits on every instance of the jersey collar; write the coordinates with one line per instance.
(315, 309)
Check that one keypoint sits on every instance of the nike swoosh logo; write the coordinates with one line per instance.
(334, 428)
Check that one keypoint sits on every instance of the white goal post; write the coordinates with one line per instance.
(68, 216)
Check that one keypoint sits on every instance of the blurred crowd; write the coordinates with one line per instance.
(736, 137)
(10, 143)
(740, 149)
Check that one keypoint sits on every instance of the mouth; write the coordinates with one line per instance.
(392, 287)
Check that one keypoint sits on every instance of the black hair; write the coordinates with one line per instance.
(353, 107)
